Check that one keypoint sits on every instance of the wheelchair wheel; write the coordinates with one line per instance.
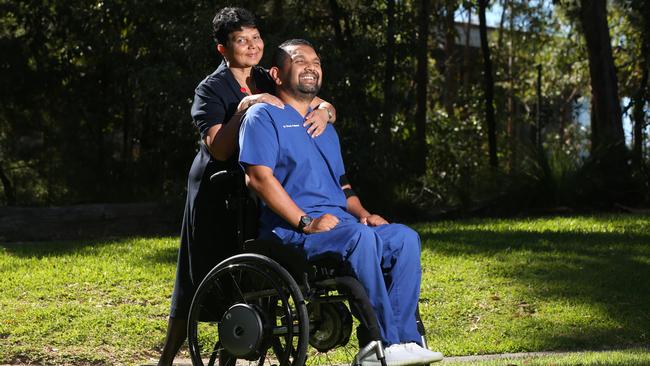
(248, 310)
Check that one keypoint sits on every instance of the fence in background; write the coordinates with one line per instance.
(19, 224)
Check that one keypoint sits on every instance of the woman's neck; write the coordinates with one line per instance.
(243, 77)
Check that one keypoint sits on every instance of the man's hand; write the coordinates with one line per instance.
(326, 222)
(317, 121)
(249, 100)
(373, 220)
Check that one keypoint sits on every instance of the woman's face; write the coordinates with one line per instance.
(244, 49)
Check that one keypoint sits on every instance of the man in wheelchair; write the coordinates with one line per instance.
(307, 206)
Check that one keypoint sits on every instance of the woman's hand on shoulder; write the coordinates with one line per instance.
(249, 100)
(317, 121)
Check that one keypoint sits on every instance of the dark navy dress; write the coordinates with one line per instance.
(208, 232)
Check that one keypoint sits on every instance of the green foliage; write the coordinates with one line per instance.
(96, 96)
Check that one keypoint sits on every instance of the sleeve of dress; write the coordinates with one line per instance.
(263, 80)
(208, 108)
(258, 139)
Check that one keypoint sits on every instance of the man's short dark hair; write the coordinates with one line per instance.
(228, 20)
(281, 54)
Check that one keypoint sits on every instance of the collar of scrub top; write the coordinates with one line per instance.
(309, 109)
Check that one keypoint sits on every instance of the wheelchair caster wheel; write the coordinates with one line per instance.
(332, 325)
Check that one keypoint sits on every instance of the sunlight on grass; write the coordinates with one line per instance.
(489, 286)
(85, 302)
(493, 286)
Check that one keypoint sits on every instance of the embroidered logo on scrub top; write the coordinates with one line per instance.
(291, 125)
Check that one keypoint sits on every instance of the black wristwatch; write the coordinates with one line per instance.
(305, 220)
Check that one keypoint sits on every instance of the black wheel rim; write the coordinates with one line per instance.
(249, 281)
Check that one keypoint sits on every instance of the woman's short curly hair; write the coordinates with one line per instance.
(228, 20)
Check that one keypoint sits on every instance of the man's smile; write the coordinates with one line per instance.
(309, 77)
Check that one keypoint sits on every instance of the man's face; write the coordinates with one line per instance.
(301, 72)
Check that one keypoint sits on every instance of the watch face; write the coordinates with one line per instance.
(305, 220)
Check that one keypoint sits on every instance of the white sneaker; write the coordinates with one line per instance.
(396, 355)
(424, 354)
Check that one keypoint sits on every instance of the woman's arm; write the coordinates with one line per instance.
(322, 113)
(222, 139)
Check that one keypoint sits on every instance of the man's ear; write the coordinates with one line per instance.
(275, 75)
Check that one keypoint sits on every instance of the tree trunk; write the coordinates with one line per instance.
(504, 7)
(640, 99)
(488, 86)
(336, 23)
(606, 125)
(278, 9)
(389, 71)
(608, 150)
(538, 111)
(512, 136)
(450, 56)
(10, 193)
(422, 81)
(467, 61)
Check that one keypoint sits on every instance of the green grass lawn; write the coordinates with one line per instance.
(489, 286)
(631, 357)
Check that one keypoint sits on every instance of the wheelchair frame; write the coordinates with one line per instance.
(271, 299)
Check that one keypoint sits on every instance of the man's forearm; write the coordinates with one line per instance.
(354, 205)
(356, 208)
(267, 187)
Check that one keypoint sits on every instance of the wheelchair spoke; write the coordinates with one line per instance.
(343, 355)
(215, 354)
(236, 283)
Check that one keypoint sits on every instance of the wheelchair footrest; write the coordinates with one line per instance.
(375, 347)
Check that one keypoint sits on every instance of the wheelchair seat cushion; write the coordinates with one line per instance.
(294, 259)
(289, 256)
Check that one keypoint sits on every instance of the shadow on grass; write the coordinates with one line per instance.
(607, 271)
(39, 250)
(163, 255)
(58, 248)
(167, 254)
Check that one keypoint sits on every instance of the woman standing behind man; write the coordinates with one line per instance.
(207, 233)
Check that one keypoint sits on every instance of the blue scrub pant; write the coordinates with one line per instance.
(392, 249)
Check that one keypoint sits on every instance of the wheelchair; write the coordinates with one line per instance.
(269, 305)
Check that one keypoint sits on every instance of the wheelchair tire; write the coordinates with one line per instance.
(248, 310)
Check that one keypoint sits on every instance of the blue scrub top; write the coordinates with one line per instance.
(308, 168)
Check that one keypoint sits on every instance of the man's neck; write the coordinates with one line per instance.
(301, 105)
